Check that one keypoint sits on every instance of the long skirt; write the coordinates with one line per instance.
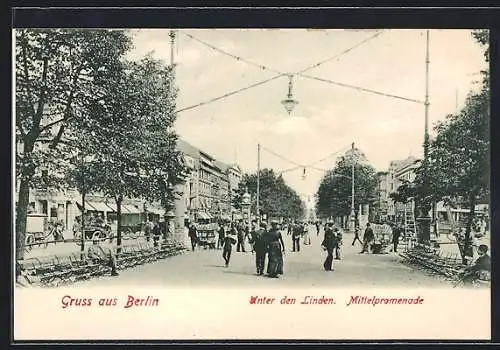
(329, 259)
(275, 265)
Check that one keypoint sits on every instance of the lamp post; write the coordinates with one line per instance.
(353, 213)
(257, 207)
(424, 221)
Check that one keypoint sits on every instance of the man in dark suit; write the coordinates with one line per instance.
(368, 238)
(396, 233)
(296, 235)
(259, 245)
(481, 269)
(329, 243)
(193, 235)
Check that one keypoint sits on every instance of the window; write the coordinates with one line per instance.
(44, 206)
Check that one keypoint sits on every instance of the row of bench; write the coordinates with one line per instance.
(433, 260)
(52, 271)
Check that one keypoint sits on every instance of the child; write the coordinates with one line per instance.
(229, 240)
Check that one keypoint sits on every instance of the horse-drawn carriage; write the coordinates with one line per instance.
(207, 233)
(38, 230)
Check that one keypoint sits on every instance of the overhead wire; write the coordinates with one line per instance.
(229, 93)
(282, 157)
(341, 53)
(360, 88)
(238, 58)
(263, 67)
(328, 156)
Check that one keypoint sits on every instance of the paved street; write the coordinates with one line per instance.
(206, 268)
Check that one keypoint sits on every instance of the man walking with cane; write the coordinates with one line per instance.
(356, 237)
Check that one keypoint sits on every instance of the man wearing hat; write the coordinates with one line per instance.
(98, 254)
(296, 235)
(329, 242)
(260, 247)
(368, 239)
(229, 239)
(338, 242)
(481, 269)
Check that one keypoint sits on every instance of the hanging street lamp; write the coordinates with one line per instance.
(289, 103)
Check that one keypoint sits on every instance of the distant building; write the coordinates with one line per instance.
(207, 191)
(400, 171)
(384, 201)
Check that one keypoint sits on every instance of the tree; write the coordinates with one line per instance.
(333, 198)
(276, 198)
(161, 161)
(137, 156)
(458, 162)
(57, 70)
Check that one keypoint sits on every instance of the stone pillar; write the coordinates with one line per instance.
(180, 209)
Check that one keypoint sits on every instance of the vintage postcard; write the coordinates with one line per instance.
(251, 184)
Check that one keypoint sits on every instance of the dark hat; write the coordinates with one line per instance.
(483, 248)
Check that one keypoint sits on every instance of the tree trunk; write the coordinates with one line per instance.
(21, 217)
(119, 201)
(27, 173)
(468, 253)
(83, 223)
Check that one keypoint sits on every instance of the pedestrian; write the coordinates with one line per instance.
(356, 237)
(328, 244)
(276, 249)
(227, 248)
(289, 228)
(156, 231)
(480, 269)
(368, 238)
(396, 233)
(193, 235)
(296, 235)
(317, 228)
(252, 235)
(307, 236)
(98, 254)
(338, 242)
(222, 234)
(241, 237)
(260, 247)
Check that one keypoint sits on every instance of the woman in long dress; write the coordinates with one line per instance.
(276, 248)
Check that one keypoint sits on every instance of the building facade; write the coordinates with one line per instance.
(208, 188)
(383, 191)
(399, 172)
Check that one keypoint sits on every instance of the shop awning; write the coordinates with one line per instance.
(100, 206)
(88, 206)
(131, 209)
(111, 206)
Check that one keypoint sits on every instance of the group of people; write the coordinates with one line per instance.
(264, 242)
(298, 230)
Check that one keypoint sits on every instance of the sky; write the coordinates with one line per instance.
(328, 117)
